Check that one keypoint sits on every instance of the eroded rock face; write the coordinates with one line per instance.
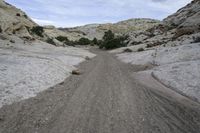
(92, 31)
(171, 49)
(187, 16)
(174, 30)
(14, 21)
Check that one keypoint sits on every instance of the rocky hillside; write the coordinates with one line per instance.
(53, 32)
(186, 16)
(14, 21)
(97, 30)
(29, 65)
(179, 28)
(169, 52)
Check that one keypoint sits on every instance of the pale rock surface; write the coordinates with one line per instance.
(92, 31)
(186, 16)
(133, 48)
(14, 21)
(183, 77)
(138, 58)
(27, 69)
(176, 67)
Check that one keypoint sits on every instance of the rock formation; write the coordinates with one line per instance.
(14, 21)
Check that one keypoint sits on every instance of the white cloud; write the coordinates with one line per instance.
(79, 12)
(43, 22)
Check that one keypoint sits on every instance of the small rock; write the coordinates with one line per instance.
(46, 119)
(128, 50)
(51, 88)
(76, 72)
(87, 58)
(61, 83)
(1, 118)
(12, 41)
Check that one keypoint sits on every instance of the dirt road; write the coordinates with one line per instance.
(106, 98)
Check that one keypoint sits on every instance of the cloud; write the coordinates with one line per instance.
(158, 0)
(67, 13)
(43, 22)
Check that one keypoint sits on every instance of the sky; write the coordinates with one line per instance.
(70, 13)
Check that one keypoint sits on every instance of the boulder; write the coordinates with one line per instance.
(76, 72)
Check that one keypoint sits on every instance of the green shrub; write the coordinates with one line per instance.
(115, 43)
(62, 39)
(140, 49)
(25, 16)
(50, 41)
(71, 43)
(66, 41)
(38, 30)
(128, 50)
(135, 43)
(196, 39)
(108, 36)
(95, 41)
(112, 42)
(84, 41)
(0, 30)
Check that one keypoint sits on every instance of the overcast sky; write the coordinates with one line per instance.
(69, 13)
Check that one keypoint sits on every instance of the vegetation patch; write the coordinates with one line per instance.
(135, 43)
(95, 41)
(38, 30)
(84, 41)
(66, 41)
(25, 16)
(140, 49)
(110, 41)
(62, 39)
(70, 43)
(128, 50)
(50, 41)
(196, 39)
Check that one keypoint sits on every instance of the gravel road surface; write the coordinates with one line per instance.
(105, 98)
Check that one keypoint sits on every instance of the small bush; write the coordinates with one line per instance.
(112, 42)
(135, 43)
(99, 42)
(128, 50)
(0, 30)
(196, 39)
(66, 41)
(25, 16)
(149, 46)
(62, 39)
(38, 30)
(50, 41)
(95, 41)
(140, 49)
(115, 43)
(108, 36)
(84, 41)
(70, 43)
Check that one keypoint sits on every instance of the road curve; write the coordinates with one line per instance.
(106, 98)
